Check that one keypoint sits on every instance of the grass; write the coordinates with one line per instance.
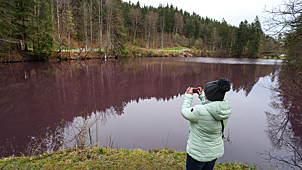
(165, 49)
(102, 158)
(173, 49)
(56, 48)
(275, 56)
(281, 57)
(63, 48)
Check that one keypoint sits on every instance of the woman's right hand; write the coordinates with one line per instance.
(189, 90)
(199, 90)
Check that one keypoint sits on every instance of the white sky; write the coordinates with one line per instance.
(233, 11)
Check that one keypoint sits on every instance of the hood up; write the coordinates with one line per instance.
(220, 110)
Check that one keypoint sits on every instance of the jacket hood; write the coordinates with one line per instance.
(220, 110)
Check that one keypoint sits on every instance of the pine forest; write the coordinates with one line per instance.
(112, 27)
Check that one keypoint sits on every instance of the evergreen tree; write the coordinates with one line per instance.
(254, 39)
(126, 7)
(241, 39)
(24, 11)
(7, 26)
(118, 30)
(41, 38)
(29, 22)
(168, 15)
(197, 27)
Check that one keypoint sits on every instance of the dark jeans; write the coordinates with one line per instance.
(192, 164)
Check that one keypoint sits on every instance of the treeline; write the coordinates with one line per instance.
(111, 25)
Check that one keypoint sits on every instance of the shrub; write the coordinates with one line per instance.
(161, 54)
(135, 42)
(150, 53)
(125, 53)
(134, 51)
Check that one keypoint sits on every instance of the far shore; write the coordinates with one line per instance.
(82, 54)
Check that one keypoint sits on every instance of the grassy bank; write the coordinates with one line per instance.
(131, 51)
(101, 158)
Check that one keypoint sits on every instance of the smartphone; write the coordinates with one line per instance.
(195, 90)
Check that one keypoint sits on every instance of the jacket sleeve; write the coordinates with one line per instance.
(201, 97)
(188, 112)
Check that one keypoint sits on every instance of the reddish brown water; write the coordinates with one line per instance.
(138, 103)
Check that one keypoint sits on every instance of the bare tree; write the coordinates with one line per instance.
(59, 33)
(84, 5)
(115, 33)
(147, 26)
(154, 22)
(91, 17)
(162, 27)
(286, 20)
(284, 17)
(68, 24)
(135, 16)
(178, 25)
(150, 27)
(215, 39)
(109, 6)
(100, 4)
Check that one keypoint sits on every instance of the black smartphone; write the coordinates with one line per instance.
(195, 90)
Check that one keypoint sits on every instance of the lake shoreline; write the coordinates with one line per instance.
(104, 158)
(27, 56)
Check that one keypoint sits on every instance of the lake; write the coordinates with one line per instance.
(136, 102)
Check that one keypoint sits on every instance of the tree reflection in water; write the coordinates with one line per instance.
(36, 97)
(285, 127)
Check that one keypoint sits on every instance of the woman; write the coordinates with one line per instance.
(207, 121)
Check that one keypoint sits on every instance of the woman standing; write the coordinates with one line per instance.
(207, 121)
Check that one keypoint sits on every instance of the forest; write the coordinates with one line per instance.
(48, 27)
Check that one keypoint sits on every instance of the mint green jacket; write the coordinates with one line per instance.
(205, 142)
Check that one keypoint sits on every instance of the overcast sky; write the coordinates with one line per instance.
(233, 11)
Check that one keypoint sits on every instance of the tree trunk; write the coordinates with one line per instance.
(101, 22)
(24, 33)
(68, 31)
(146, 34)
(91, 24)
(37, 33)
(109, 18)
(162, 33)
(52, 16)
(135, 29)
(59, 36)
(85, 25)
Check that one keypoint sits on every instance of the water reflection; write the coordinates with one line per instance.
(285, 125)
(233, 61)
(38, 100)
